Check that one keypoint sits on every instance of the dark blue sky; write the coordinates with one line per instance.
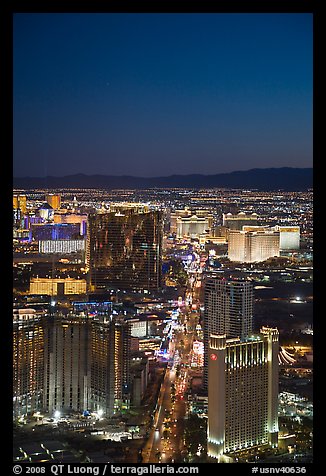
(158, 94)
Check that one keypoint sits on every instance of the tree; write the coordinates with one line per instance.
(177, 272)
(195, 433)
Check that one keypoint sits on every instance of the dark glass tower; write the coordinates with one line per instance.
(124, 249)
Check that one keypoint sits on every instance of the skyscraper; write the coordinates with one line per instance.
(19, 209)
(110, 361)
(242, 393)
(249, 246)
(20, 202)
(74, 362)
(124, 249)
(67, 366)
(53, 199)
(289, 237)
(228, 309)
(28, 361)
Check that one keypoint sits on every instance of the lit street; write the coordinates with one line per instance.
(165, 442)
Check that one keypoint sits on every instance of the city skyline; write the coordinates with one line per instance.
(117, 295)
(161, 94)
(163, 239)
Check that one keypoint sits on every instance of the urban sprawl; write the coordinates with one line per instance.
(162, 326)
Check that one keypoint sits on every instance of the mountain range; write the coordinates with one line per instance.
(284, 178)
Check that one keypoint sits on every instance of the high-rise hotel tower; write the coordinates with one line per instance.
(124, 249)
(253, 244)
(242, 393)
(53, 199)
(228, 310)
(69, 362)
(28, 361)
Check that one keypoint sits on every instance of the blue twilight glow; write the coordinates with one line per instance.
(153, 94)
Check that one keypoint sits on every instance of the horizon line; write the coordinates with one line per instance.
(159, 176)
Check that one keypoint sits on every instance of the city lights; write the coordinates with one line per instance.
(163, 242)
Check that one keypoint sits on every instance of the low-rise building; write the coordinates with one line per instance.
(57, 286)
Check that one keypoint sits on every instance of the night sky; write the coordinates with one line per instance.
(161, 94)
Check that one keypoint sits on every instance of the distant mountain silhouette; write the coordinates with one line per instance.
(285, 178)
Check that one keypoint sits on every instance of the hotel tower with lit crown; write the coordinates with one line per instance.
(242, 393)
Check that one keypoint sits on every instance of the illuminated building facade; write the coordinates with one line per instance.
(252, 246)
(73, 218)
(31, 219)
(15, 203)
(149, 345)
(110, 364)
(217, 240)
(67, 367)
(228, 309)
(19, 210)
(21, 234)
(54, 200)
(236, 222)
(145, 325)
(57, 286)
(61, 246)
(197, 354)
(192, 227)
(289, 237)
(46, 212)
(18, 214)
(138, 327)
(28, 361)
(74, 362)
(20, 202)
(139, 375)
(190, 223)
(122, 344)
(54, 231)
(124, 249)
(242, 393)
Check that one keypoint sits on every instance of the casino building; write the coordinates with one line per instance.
(242, 393)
